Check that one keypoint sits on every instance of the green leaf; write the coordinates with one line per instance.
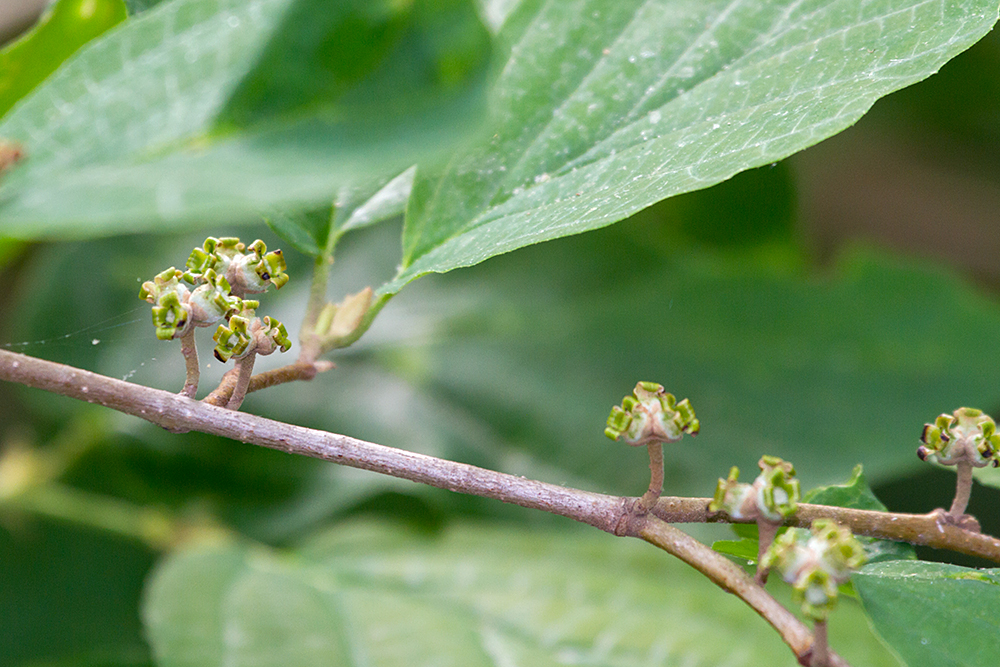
(856, 494)
(211, 110)
(604, 108)
(932, 613)
(356, 206)
(306, 230)
(744, 549)
(371, 594)
(65, 27)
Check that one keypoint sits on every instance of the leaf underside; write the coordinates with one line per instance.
(605, 108)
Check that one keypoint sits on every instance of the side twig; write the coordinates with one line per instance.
(731, 578)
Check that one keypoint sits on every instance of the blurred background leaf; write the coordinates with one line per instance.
(380, 595)
(173, 118)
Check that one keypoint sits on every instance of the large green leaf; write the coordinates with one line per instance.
(932, 613)
(220, 109)
(607, 107)
(368, 594)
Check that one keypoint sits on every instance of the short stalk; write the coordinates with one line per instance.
(190, 352)
(821, 648)
(766, 531)
(244, 368)
(648, 499)
(963, 489)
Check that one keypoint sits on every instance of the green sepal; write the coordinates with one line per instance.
(618, 422)
(198, 262)
(275, 331)
(272, 268)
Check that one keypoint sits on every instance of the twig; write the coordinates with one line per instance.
(609, 513)
(244, 372)
(300, 370)
(174, 411)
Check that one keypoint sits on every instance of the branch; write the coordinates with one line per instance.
(920, 529)
(613, 514)
(175, 412)
(178, 413)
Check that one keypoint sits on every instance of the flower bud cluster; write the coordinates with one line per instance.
(773, 496)
(651, 415)
(248, 269)
(815, 563)
(211, 292)
(965, 436)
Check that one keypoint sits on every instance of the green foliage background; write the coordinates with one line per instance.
(825, 338)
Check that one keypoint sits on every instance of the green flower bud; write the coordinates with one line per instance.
(731, 496)
(170, 316)
(651, 415)
(201, 260)
(815, 563)
(171, 312)
(251, 269)
(967, 435)
(777, 489)
(773, 496)
(269, 266)
(233, 340)
(212, 301)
